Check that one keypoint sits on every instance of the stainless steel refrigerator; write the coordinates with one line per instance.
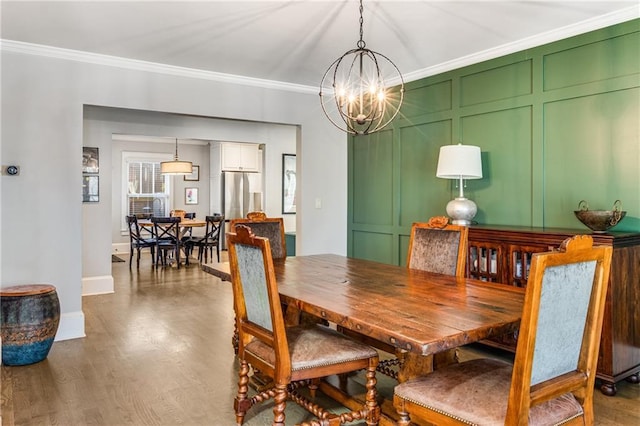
(241, 194)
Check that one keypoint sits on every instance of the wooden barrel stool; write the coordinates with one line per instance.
(30, 317)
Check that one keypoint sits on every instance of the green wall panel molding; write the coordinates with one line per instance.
(374, 246)
(556, 124)
(597, 160)
(504, 194)
(515, 80)
(420, 196)
(372, 182)
(592, 62)
(414, 105)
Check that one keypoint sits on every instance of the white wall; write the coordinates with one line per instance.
(44, 223)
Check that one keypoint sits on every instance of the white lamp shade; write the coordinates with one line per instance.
(459, 162)
(176, 167)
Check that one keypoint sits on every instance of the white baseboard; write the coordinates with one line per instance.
(71, 326)
(120, 248)
(97, 285)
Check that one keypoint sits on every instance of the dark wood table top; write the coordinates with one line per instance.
(417, 311)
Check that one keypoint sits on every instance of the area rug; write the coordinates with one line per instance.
(115, 258)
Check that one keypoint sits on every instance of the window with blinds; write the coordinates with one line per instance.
(147, 189)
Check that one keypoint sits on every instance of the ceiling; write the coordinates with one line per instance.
(295, 41)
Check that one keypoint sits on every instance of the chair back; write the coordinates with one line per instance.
(560, 329)
(212, 229)
(257, 302)
(267, 227)
(167, 229)
(436, 246)
(134, 229)
(189, 215)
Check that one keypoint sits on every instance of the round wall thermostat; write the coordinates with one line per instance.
(12, 170)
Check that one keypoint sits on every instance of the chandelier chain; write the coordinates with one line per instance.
(361, 44)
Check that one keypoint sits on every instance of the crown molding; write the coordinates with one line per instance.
(137, 65)
(620, 16)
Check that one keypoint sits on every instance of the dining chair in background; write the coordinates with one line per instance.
(167, 234)
(210, 239)
(268, 227)
(294, 357)
(188, 233)
(551, 380)
(437, 246)
(137, 242)
(271, 228)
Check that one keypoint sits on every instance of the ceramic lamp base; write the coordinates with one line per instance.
(461, 210)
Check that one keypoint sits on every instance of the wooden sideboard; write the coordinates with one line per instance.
(502, 254)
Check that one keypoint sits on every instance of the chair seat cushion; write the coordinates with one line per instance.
(144, 242)
(313, 346)
(477, 392)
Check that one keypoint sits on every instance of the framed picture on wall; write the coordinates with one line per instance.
(195, 174)
(288, 183)
(191, 195)
(90, 189)
(90, 160)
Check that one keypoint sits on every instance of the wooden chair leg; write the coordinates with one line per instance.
(371, 399)
(242, 403)
(280, 400)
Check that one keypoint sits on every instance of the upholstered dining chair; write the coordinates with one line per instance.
(268, 227)
(167, 233)
(551, 380)
(437, 246)
(293, 356)
(137, 242)
(210, 239)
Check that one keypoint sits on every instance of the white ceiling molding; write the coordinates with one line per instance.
(585, 26)
(137, 65)
(603, 21)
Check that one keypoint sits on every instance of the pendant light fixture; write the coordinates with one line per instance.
(176, 167)
(356, 91)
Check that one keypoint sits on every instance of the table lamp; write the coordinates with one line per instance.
(460, 162)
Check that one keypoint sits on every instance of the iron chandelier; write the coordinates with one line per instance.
(354, 92)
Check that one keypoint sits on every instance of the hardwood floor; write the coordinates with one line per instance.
(158, 352)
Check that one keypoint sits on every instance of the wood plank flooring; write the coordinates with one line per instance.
(158, 352)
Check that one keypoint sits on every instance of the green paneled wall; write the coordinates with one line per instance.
(556, 124)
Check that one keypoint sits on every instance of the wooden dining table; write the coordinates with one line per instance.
(419, 313)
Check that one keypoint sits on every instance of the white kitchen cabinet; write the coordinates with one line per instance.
(239, 157)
